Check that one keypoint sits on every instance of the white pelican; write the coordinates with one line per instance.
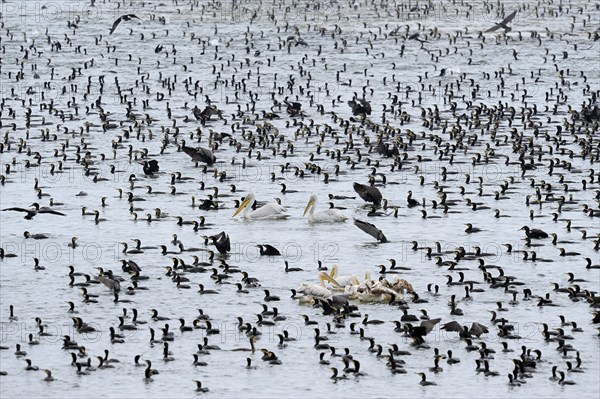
(319, 290)
(343, 281)
(373, 291)
(315, 290)
(326, 216)
(269, 211)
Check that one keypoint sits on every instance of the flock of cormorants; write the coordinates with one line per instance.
(357, 103)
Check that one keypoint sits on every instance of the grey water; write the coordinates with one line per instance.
(228, 38)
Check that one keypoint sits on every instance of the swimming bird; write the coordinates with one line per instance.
(199, 387)
(48, 377)
(562, 380)
(289, 269)
(325, 216)
(38, 236)
(268, 211)
(222, 242)
(150, 167)
(268, 297)
(335, 376)
(534, 233)
(424, 381)
(360, 107)
(268, 250)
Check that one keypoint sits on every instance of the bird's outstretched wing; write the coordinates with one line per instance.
(453, 326)
(493, 28)
(477, 329)
(200, 154)
(272, 249)
(115, 24)
(51, 212)
(429, 324)
(371, 230)
(503, 23)
(223, 239)
(368, 193)
(509, 18)
(17, 209)
(153, 166)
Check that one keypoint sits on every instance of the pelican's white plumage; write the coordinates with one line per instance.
(372, 291)
(319, 290)
(326, 216)
(315, 290)
(269, 211)
(343, 281)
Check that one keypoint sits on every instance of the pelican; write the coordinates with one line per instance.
(319, 290)
(326, 216)
(372, 292)
(342, 281)
(269, 211)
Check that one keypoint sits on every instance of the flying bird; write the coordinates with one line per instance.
(126, 17)
(503, 24)
(36, 209)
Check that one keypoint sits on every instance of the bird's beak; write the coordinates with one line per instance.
(308, 206)
(242, 206)
(334, 270)
(326, 277)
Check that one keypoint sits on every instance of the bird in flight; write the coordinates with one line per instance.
(126, 17)
(34, 211)
(503, 23)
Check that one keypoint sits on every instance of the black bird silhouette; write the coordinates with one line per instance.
(268, 250)
(221, 242)
(534, 233)
(126, 17)
(36, 209)
(293, 108)
(503, 24)
(360, 107)
(151, 167)
(368, 193)
(206, 113)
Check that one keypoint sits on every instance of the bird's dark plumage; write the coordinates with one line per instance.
(503, 23)
(370, 229)
(368, 193)
(126, 17)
